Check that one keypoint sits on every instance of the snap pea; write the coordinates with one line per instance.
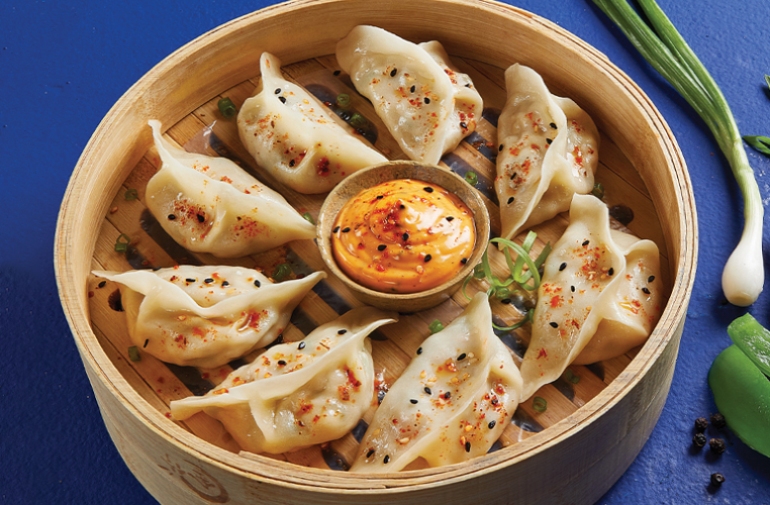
(753, 339)
(742, 394)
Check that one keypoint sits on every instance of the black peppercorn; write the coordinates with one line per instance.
(717, 479)
(718, 421)
(717, 445)
(699, 440)
(701, 424)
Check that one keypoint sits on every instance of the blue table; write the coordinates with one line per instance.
(63, 65)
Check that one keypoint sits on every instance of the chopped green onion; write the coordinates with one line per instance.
(131, 194)
(758, 142)
(471, 177)
(665, 49)
(570, 376)
(133, 354)
(282, 271)
(358, 121)
(598, 190)
(343, 100)
(539, 404)
(121, 243)
(436, 326)
(308, 217)
(227, 107)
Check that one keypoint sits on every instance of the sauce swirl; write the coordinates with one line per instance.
(403, 236)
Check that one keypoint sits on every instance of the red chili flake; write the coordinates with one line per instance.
(542, 354)
(556, 301)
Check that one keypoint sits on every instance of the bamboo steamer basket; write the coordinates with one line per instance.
(592, 430)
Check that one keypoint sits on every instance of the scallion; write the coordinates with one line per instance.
(133, 354)
(227, 107)
(435, 326)
(471, 177)
(664, 48)
(122, 242)
(308, 217)
(131, 194)
(282, 271)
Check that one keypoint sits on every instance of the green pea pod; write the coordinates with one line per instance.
(742, 394)
(753, 339)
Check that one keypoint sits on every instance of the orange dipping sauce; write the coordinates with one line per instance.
(403, 236)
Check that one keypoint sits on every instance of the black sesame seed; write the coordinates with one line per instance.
(278, 91)
(370, 453)
(495, 401)
(336, 229)
(146, 341)
(464, 261)
(393, 72)
(645, 291)
(461, 357)
(554, 324)
(468, 85)
(282, 99)
(506, 301)
(510, 200)
(463, 124)
(467, 446)
(611, 271)
(412, 88)
(386, 459)
(405, 236)
(650, 278)
(291, 163)
(553, 125)
(562, 266)
(301, 345)
(428, 189)
(426, 100)
(717, 479)
(281, 362)
(381, 247)
(701, 424)
(413, 401)
(337, 72)
(257, 283)
(201, 217)
(419, 350)
(548, 141)
(342, 331)
(427, 390)
(500, 148)
(208, 280)
(699, 440)
(491, 424)
(171, 217)
(572, 288)
(450, 218)
(225, 284)
(190, 280)
(428, 257)
(402, 206)
(346, 229)
(380, 197)
(586, 243)
(447, 395)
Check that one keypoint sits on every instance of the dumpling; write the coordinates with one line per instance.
(300, 393)
(209, 204)
(549, 150)
(451, 403)
(206, 316)
(600, 296)
(289, 134)
(426, 103)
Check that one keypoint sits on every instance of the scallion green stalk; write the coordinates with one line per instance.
(664, 48)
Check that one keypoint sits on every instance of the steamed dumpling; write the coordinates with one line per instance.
(289, 134)
(300, 393)
(425, 102)
(206, 316)
(600, 296)
(549, 150)
(451, 403)
(209, 204)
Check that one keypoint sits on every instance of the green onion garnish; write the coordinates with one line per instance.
(121, 243)
(282, 271)
(131, 194)
(308, 217)
(570, 376)
(539, 404)
(435, 326)
(133, 353)
(664, 48)
(343, 101)
(471, 177)
(598, 190)
(227, 107)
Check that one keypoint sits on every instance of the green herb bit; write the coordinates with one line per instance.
(358, 121)
(343, 101)
(664, 48)
(758, 142)
(122, 242)
(570, 376)
(133, 354)
(539, 404)
(471, 177)
(598, 190)
(308, 217)
(753, 339)
(435, 326)
(227, 108)
(282, 272)
(131, 194)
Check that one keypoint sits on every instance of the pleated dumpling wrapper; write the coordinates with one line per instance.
(426, 103)
(549, 151)
(206, 316)
(298, 394)
(450, 404)
(600, 295)
(290, 135)
(209, 204)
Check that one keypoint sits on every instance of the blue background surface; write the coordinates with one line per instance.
(63, 65)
